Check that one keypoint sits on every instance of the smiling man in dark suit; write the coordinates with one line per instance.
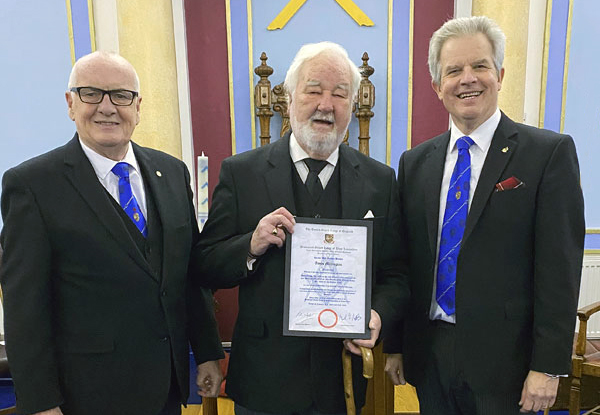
(97, 239)
(493, 213)
(254, 205)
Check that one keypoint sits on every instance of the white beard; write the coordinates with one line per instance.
(322, 144)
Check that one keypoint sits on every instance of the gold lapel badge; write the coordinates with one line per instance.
(505, 149)
(158, 173)
(136, 216)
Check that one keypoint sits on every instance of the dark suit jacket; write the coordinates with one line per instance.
(267, 371)
(89, 325)
(519, 264)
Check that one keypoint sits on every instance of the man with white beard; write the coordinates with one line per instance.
(307, 173)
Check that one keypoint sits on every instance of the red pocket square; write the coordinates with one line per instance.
(509, 184)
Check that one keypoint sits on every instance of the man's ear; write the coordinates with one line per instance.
(500, 78)
(436, 89)
(69, 98)
(137, 110)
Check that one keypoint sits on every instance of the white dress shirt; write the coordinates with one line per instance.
(482, 138)
(103, 166)
(298, 155)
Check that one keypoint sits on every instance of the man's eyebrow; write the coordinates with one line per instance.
(313, 83)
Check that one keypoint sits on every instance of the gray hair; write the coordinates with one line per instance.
(312, 50)
(465, 26)
(107, 56)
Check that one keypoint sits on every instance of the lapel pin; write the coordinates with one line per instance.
(158, 173)
(505, 149)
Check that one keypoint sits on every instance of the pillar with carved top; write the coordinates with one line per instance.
(262, 99)
(364, 104)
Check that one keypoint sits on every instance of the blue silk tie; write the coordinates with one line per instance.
(453, 228)
(126, 198)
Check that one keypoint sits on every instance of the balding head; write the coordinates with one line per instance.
(92, 61)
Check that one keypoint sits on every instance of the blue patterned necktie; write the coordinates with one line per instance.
(126, 198)
(453, 228)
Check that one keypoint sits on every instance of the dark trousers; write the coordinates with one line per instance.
(173, 403)
(444, 390)
(240, 410)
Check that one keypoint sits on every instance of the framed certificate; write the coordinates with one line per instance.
(328, 278)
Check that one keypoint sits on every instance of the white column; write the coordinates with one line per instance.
(183, 87)
(535, 55)
(463, 8)
(105, 23)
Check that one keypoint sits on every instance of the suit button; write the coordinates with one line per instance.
(164, 339)
(317, 216)
(148, 250)
(164, 293)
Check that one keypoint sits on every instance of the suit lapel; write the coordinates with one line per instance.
(155, 182)
(352, 185)
(278, 175)
(434, 171)
(502, 148)
(80, 173)
(153, 178)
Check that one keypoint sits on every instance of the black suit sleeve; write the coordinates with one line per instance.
(28, 292)
(202, 329)
(391, 292)
(559, 238)
(223, 246)
(203, 333)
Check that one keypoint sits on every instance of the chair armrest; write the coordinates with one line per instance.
(584, 313)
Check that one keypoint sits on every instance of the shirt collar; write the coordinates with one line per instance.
(103, 165)
(298, 154)
(481, 136)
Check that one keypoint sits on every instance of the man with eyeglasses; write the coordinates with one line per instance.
(97, 239)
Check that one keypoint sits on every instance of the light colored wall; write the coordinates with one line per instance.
(36, 61)
(582, 107)
(513, 18)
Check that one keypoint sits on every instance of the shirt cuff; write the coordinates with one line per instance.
(250, 263)
(556, 376)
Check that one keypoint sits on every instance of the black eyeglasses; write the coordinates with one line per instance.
(91, 95)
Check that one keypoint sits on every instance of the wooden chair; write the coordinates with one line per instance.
(580, 390)
(586, 362)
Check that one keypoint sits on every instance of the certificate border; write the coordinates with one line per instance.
(366, 334)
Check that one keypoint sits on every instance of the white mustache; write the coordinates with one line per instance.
(321, 116)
